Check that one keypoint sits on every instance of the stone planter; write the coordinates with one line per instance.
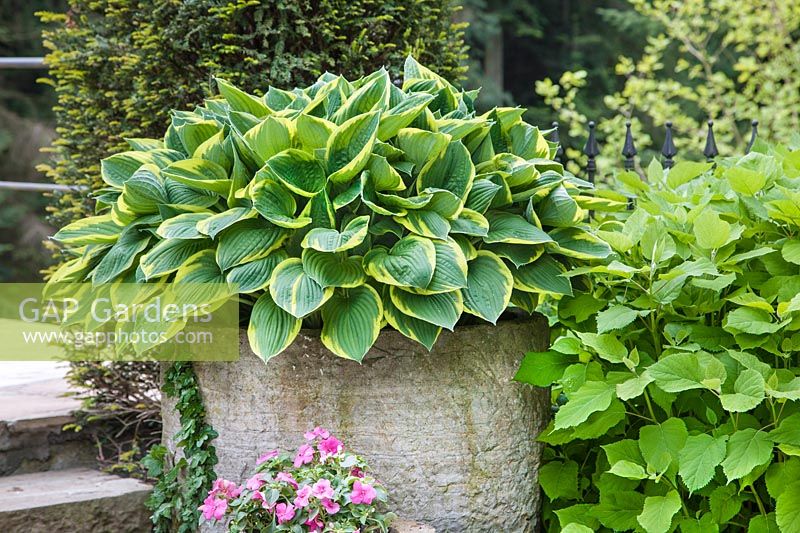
(448, 432)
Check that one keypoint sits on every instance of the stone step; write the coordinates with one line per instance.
(77, 500)
(32, 417)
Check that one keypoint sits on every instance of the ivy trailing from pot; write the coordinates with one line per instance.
(677, 382)
(182, 481)
(347, 205)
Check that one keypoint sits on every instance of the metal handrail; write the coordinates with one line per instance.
(22, 63)
(40, 187)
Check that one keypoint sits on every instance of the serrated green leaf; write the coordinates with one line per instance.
(699, 458)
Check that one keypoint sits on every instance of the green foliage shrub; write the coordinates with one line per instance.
(343, 204)
(119, 66)
(677, 382)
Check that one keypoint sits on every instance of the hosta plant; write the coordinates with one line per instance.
(321, 487)
(346, 205)
(677, 382)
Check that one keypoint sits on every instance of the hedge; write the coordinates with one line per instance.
(119, 66)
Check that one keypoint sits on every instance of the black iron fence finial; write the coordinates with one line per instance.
(629, 148)
(753, 135)
(668, 150)
(592, 150)
(710, 151)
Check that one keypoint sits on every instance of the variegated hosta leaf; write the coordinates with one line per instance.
(299, 171)
(276, 204)
(213, 225)
(350, 145)
(451, 171)
(351, 321)
(419, 330)
(269, 137)
(199, 174)
(247, 241)
(330, 240)
(333, 269)
(450, 272)
(442, 309)
(489, 286)
(543, 275)
(314, 132)
(420, 146)
(580, 244)
(426, 223)
(241, 101)
(118, 168)
(255, 275)
(271, 329)
(401, 115)
(169, 255)
(513, 229)
(99, 229)
(409, 263)
(183, 226)
(121, 255)
(294, 290)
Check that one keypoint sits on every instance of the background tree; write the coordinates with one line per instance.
(727, 60)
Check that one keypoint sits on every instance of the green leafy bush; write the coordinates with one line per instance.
(677, 382)
(346, 205)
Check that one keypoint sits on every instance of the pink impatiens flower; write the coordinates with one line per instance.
(258, 496)
(214, 508)
(304, 456)
(284, 512)
(255, 482)
(362, 493)
(225, 488)
(314, 524)
(322, 489)
(286, 478)
(329, 446)
(264, 457)
(302, 496)
(317, 432)
(331, 507)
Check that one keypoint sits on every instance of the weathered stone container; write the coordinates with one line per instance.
(448, 432)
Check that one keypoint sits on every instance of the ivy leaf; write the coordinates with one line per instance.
(748, 392)
(591, 397)
(661, 443)
(699, 458)
(559, 479)
(658, 511)
(615, 317)
(747, 449)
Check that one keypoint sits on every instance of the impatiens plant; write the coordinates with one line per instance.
(319, 488)
(346, 205)
(677, 384)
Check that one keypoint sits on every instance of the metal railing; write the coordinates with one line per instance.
(30, 63)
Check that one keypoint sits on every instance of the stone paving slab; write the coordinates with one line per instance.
(34, 390)
(75, 501)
